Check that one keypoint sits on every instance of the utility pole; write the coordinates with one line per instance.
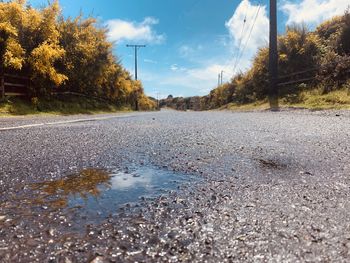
(136, 48)
(218, 79)
(158, 94)
(273, 57)
(221, 75)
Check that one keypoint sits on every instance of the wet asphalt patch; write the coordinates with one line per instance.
(97, 194)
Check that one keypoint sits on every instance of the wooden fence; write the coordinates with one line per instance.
(14, 85)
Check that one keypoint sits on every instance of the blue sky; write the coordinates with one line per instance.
(190, 41)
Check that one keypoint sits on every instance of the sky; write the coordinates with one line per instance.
(189, 42)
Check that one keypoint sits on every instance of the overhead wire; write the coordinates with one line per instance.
(249, 36)
(235, 58)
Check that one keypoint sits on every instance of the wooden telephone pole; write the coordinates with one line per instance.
(273, 57)
(136, 48)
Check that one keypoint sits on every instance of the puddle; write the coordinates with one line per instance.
(88, 183)
(96, 194)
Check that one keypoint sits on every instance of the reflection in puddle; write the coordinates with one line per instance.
(97, 194)
(121, 181)
(84, 184)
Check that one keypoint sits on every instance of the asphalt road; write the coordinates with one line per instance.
(272, 187)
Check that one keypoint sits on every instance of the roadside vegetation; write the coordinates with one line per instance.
(62, 55)
(64, 105)
(314, 70)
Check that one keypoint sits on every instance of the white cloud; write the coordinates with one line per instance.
(150, 61)
(187, 51)
(198, 80)
(223, 40)
(175, 67)
(209, 74)
(239, 31)
(119, 30)
(314, 11)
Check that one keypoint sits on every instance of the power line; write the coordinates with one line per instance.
(235, 58)
(251, 31)
(248, 39)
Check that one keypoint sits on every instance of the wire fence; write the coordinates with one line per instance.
(81, 95)
(305, 79)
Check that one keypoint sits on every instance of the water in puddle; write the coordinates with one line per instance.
(97, 194)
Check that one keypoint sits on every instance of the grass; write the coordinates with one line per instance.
(313, 100)
(259, 105)
(15, 106)
(339, 99)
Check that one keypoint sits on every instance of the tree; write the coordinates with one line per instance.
(71, 54)
(335, 59)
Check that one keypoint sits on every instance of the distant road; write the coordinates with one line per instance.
(275, 186)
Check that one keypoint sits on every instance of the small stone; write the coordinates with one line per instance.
(97, 260)
(52, 232)
(2, 218)
(172, 234)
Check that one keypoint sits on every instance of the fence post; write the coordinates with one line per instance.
(2, 86)
(28, 91)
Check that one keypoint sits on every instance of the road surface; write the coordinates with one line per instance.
(270, 186)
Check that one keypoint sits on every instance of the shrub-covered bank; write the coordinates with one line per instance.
(61, 55)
